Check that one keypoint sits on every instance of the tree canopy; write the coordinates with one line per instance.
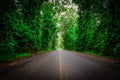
(80, 25)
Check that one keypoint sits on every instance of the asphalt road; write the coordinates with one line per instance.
(62, 65)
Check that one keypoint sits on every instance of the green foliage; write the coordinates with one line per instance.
(9, 57)
(49, 26)
(37, 25)
(24, 28)
(98, 27)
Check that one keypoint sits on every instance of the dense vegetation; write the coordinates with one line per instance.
(29, 26)
(99, 26)
(26, 26)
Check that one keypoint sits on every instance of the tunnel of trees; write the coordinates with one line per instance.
(30, 26)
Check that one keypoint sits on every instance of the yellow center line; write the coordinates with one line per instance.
(60, 63)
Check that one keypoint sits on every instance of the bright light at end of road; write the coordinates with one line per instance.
(59, 49)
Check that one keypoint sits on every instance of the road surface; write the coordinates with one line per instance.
(62, 65)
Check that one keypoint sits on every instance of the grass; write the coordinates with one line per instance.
(22, 55)
(9, 58)
(96, 54)
(44, 51)
(92, 53)
(6, 58)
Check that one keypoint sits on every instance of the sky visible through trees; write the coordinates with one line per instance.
(90, 26)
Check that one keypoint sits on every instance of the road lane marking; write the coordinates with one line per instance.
(60, 63)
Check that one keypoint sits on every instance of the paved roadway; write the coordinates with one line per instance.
(62, 65)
